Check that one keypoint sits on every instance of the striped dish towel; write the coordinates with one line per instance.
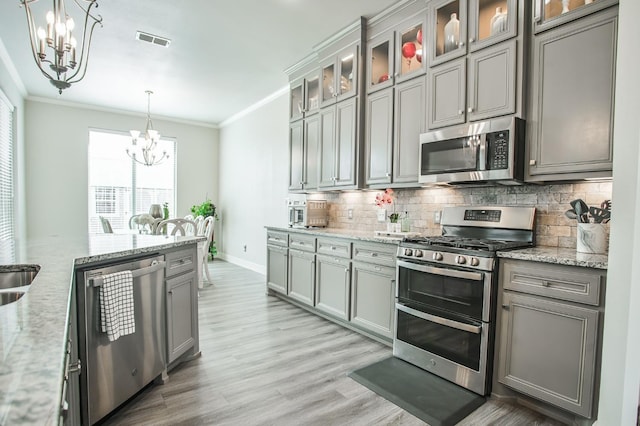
(116, 305)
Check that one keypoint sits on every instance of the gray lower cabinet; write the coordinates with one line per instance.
(549, 344)
(372, 298)
(333, 285)
(572, 99)
(302, 276)
(181, 287)
(182, 296)
(277, 268)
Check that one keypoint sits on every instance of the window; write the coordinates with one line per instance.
(119, 187)
(7, 229)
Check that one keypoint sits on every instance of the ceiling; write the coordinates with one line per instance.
(224, 56)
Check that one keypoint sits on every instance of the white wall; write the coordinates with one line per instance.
(57, 138)
(621, 353)
(254, 160)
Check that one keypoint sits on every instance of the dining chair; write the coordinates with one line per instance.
(203, 247)
(106, 226)
(176, 226)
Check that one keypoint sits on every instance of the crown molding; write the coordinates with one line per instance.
(255, 106)
(13, 72)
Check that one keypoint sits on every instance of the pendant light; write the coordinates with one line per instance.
(149, 142)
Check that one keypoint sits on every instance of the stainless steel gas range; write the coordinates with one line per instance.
(446, 292)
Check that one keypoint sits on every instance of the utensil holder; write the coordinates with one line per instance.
(592, 238)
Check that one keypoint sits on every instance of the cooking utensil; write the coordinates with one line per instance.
(599, 214)
(571, 214)
(606, 204)
(581, 209)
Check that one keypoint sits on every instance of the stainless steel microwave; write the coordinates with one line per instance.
(479, 152)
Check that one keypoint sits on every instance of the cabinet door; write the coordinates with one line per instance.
(380, 58)
(491, 21)
(302, 276)
(347, 77)
(548, 351)
(327, 164)
(552, 13)
(572, 99)
(410, 122)
(373, 298)
(310, 152)
(312, 93)
(277, 268)
(492, 82)
(346, 142)
(296, 100)
(410, 61)
(448, 33)
(379, 145)
(329, 76)
(181, 297)
(296, 155)
(333, 286)
(447, 89)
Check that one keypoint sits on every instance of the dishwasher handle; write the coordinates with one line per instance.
(155, 266)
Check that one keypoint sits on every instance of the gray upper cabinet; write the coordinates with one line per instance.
(339, 135)
(550, 337)
(395, 119)
(549, 14)
(340, 75)
(488, 88)
(296, 155)
(448, 30)
(572, 98)
(304, 91)
(491, 22)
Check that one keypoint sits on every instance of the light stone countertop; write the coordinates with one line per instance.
(33, 329)
(350, 234)
(560, 256)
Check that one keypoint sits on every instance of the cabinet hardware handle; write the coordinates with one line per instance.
(532, 162)
(75, 367)
(170, 292)
(346, 270)
(506, 307)
(471, 40)
(333, 248)
(470, 109)
(460, 112)
(388, 174)
(461, 44)
(373, 254)
(545, 283)
(397, 74)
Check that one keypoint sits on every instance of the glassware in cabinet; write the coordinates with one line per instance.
(448, 30)
(491, 21)
(551, 13)
(296, 102)
(411, 51)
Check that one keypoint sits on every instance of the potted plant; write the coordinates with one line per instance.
(206, 209)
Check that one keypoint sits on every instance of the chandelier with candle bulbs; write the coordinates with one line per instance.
(56, 44)
(149, 144)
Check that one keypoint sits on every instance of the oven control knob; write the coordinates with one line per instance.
(461, 260)
(437, 256)
(474, 261)
(417, 253)
(408, 252)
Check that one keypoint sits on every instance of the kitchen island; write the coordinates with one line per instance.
(33, 330)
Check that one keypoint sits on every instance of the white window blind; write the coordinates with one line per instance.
(119, 187)
(7, 220)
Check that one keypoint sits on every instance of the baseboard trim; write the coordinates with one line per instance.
(255, 267)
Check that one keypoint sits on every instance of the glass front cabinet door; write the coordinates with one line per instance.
(397, 55)
(340, 76)
(491, 21)
(448, 30)
(551, 13)
(296, 100)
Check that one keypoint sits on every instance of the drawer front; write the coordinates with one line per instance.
(339, 248)
(572, 283)
(277, 238)
(379, 254)
(302, 242)
(180, 261)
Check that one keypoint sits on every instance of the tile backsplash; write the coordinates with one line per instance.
(551, 201)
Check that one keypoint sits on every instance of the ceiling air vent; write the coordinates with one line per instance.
(153, 39)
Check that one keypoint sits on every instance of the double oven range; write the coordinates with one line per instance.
(446, 292)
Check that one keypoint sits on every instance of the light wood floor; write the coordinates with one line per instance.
(267, 362)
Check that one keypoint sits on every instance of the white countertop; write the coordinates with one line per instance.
(33, 329)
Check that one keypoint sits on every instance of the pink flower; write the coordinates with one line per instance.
(384, 198)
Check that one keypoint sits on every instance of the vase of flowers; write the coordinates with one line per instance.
(384, 199)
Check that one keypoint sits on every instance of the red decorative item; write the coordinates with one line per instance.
(383, 77)
(419, 57)
(409, 50)
(419, 36)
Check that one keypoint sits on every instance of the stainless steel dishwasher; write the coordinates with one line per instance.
(114, 371)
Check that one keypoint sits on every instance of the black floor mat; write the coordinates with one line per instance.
(430, 398)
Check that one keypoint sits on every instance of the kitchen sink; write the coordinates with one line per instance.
(10, 297)
(14, 276)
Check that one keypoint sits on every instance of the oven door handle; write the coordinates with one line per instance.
(475, 276)
(439, 320)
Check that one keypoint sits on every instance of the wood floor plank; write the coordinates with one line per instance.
(267, 362)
